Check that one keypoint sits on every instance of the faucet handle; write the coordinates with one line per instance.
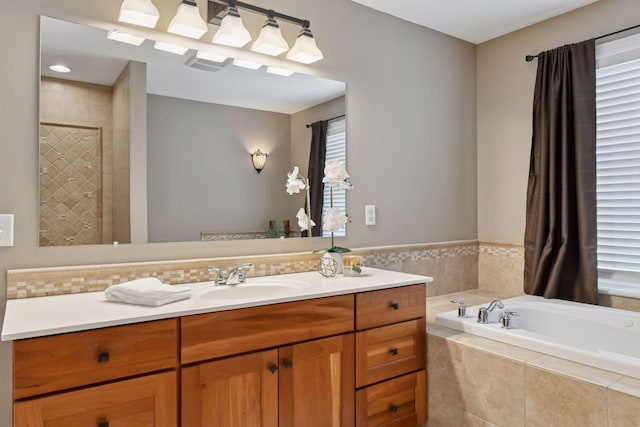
(505, 318)
(219, 276)
(238, 272)
(462, 309)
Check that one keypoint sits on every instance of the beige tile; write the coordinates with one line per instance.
(445, 372)
(500, 349)
(501, 273)
(631, 304)
(442, 414)
(52, 107)
(624, 403)
(493, 387)
(556, 400)
(469, 272)
(471, 420)
(576, 371)
(444, 277)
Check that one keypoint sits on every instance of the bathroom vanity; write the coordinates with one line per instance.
(340, 352)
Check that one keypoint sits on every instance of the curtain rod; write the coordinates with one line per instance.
(332, 118)
(530, 58)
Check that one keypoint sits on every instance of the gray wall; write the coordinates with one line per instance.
(411, 128)
(505, 98)
(201, 178)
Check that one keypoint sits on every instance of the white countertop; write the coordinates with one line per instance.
(40, 316)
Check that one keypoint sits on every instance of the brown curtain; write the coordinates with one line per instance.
(560, 234)
(316, 172)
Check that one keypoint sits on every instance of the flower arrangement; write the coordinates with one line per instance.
(336, 176)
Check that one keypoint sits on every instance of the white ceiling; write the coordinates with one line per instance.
(95, 59)
(475, 21)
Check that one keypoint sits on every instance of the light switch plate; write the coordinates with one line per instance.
(370, 215)
(6, 229)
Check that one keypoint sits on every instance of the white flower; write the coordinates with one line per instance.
(295, 182)
(304, 220)
(334, 220)
(336, 175)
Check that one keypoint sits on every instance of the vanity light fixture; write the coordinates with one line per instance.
(279, 71)
(232, 31)
(210, 56)
(305, 49)
(188, 21)
(139, 12)
(259, 159)
(270, 40)
(125, 37)
(171, 48)
(59, 68)
(247, 63)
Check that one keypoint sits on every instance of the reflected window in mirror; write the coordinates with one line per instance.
(336, 150)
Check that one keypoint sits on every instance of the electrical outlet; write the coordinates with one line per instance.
(370, 215)
(6, 229)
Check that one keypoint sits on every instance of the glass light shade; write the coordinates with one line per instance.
(247, 63)
(279, 71)
(170, 47)
(232, 31)
(139, 12)
(125, 38)
(188, 22)
(305, 49)
(210, 56)
(259, 159)
(270, 40)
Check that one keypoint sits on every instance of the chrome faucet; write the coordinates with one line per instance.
(236, 275)
(220, 280)
(483, 312)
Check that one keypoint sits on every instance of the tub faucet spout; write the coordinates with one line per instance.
(483, 312)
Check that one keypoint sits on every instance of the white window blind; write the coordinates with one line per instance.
(618, 163)
(336, 150)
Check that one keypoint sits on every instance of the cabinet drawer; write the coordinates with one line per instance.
(389, 351)
(58, 362)
(398, 402)
(378, 308)
(149, 401)
(213, 335)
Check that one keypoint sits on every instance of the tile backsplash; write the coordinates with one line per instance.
(453, 265)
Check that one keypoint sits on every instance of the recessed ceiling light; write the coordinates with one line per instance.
(59, 68)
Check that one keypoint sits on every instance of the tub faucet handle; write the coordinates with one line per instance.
(462, 309)
(505, 318)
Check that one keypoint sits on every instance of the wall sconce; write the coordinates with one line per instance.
(259, 159)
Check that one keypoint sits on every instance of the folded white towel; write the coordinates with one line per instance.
(147, 291)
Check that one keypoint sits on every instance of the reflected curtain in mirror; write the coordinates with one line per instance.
(560, 235)
(317, 156)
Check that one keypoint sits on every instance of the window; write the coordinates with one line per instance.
(618, 164)
(336, 150)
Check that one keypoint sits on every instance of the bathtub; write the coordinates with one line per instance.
(603, 337)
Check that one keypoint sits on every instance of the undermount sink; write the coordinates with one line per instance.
(262, 289)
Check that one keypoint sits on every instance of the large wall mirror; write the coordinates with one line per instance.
(139, 145)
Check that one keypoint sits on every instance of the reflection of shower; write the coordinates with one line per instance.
(70, 185)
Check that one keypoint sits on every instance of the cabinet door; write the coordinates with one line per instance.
(317, 383)
(141, 402)
(241, 391)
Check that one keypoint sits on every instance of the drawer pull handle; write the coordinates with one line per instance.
(103, 357)
(395, 305)
(393, 351)
(393, 408)
(288, 364)
(103, 424)
(273, 368)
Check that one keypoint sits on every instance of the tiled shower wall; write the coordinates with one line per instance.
(453, 265)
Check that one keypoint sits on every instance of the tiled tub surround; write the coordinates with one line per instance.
(453, 263)
(474, 381)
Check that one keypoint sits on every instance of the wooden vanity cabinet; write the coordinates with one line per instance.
(355, 359)
(117, 376)
(304, 377)
(390, 357)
